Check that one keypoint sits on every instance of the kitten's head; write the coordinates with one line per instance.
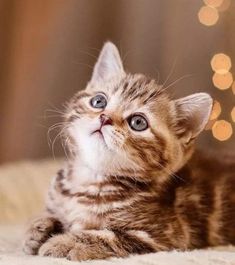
(128, 122)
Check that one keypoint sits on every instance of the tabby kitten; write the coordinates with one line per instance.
(134, 184)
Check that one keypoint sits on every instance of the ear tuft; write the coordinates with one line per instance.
(109, 64)
(193, 113)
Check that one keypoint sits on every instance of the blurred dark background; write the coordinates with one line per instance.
(48, 48)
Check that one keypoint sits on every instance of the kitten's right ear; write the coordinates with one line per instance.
(192, 115)
(108, 65)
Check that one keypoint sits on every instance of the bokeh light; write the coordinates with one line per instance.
(222, 81)
(213, 3)
(208, 15)
(221, 63)
(233, 87)
(233, 114)
(210, 124)
(216, 110)
(222, 130)
(224, 6)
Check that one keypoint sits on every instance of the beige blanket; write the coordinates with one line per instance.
(22, 189)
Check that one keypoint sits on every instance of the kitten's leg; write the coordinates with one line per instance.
(99, 244)
(38, 232)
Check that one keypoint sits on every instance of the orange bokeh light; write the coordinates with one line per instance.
(222, 81)
(233, 87)
(213, 3)
(221, 63)
(208, 15)
(216, 110)
(233, 114)
(209, 125)
(224, 6)
(222, 130)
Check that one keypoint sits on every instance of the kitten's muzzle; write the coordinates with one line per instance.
(105, 120)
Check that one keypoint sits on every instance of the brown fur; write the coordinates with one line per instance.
(161, 196)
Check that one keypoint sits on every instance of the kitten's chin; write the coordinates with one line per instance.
(98, 156)
(99, 149)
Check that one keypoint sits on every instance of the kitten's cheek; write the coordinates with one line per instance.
(106, 133)
(74, 133)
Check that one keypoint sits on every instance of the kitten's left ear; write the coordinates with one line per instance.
(109, 64)
(193, 113)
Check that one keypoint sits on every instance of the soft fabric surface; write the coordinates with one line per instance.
(23, 186)
(10, 254)
(22, 189)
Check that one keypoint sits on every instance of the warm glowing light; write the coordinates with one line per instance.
(213, 3)
(209, 125)
(233, 114)
(216, 110)
(222, 130)
(233, 87)
(222, 81)
(208, 15)
(224, 6)
(221, 63)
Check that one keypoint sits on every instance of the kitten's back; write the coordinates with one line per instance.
(210, 184)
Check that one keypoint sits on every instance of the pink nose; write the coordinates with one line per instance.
(105, 120)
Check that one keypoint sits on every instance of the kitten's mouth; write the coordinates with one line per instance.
(99, 132)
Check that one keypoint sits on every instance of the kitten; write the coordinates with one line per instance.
(134, 184)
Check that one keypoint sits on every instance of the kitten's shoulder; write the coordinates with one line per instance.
(210, 164)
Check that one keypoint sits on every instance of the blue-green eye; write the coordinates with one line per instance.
(137, 122)
(99, 101)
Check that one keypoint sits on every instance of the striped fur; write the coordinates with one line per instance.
(131, 192)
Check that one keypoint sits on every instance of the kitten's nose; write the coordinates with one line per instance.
(105, 120)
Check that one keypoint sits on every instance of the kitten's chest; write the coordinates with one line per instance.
(87, 208)
(77, 215)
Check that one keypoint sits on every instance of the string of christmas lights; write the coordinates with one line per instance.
(221, 64)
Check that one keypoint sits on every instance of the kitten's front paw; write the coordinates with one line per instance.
(80, 252)
(83, 252)
(39, 231)
(76, 248)
(58, 246)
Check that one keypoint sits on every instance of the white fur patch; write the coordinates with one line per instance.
(143, 236)
(101, 233)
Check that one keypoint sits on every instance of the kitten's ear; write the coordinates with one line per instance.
(193, 113)
(108, 64)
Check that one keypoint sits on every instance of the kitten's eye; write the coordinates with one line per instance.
(98, 101)
(138, 123)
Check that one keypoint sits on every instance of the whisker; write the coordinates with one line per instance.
(54, 141)
(63, 143)
(124, 57)
(49, 132)
(54, 108)
(53, 127)
(93, 48)
(176, 81)
(49, 116)
(170, 172)
(54, 111)
(158, 76)
(88, 53)
(83, 64)
(171, 71)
